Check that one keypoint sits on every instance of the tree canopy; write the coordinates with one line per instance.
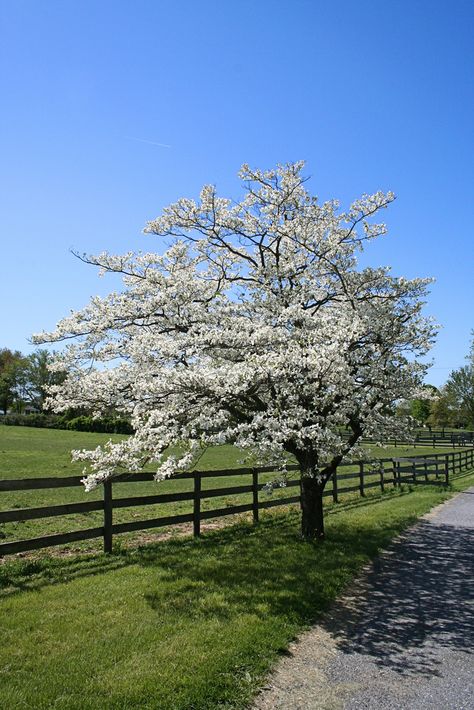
(11, 366)
(25, 379)
(459, 391)
(254, 327)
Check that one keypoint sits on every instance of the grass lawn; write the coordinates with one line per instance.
(28, 452)
(184, 624)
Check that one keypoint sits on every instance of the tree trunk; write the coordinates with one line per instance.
(312, 521)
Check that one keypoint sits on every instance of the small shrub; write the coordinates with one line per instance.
(46, 421)
(107, 425)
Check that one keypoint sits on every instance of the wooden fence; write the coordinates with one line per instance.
(434, 438)
(394, 471)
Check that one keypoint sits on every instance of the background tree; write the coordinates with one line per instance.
(420, 407)
(420, 410)
(455, 404)
(36, 377)
(11, 367)
(442, 413)
(459, 390)
(254, 328)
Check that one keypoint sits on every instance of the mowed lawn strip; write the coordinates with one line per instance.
(29, 453)
(185, 623)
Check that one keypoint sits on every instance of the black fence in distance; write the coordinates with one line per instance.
(433, 438)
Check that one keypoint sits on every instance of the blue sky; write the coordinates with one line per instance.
(372, 95)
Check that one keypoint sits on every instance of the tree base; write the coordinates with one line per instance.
(312, 519)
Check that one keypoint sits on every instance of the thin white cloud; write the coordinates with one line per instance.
(143, 140)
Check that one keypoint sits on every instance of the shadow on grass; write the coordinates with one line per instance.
(27, 575)
(268, 556)
(418, 593)
(24, 574)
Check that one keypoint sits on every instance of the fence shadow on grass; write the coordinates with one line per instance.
(34, 572)
(417, 594)
(28, 575)
(264, 570)
(259, 569)
(415, 597)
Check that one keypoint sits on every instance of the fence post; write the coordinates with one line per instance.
(108, 517)
(334, 487)
(197, 504)
(255, 495)
(382, 470)
(446, 469)
(398, 481)
(361, 478)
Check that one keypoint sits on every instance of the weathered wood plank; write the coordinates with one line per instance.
(118, 528)
(255, 501)
(144, 476)
(197, 505)
(30, 484)
(348, 476)
(134, 501)
(108, 513)
(35, 543)
(348, 489)
(49, 511)
(244, 471)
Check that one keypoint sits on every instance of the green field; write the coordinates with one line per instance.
(28, 452)
(183, 624)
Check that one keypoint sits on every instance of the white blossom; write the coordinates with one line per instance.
(255, 327)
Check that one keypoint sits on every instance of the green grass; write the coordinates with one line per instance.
(28, 452)
(184, 624)
(180, 625)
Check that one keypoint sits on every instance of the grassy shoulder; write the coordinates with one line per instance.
(186, 623)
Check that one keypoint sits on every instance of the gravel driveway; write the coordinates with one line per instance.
(403, 638)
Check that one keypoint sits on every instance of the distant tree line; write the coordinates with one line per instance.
(24, 380)
(24, 384)
(452, 405)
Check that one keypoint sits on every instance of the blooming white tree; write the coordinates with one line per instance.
(255, 327)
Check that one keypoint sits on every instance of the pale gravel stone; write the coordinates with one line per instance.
(404, 637)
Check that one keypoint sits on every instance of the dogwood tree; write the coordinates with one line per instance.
(254, 327)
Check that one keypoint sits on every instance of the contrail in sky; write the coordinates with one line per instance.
(143, 140)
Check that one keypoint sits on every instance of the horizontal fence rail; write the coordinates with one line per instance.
(433, 470)
(433, 438)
